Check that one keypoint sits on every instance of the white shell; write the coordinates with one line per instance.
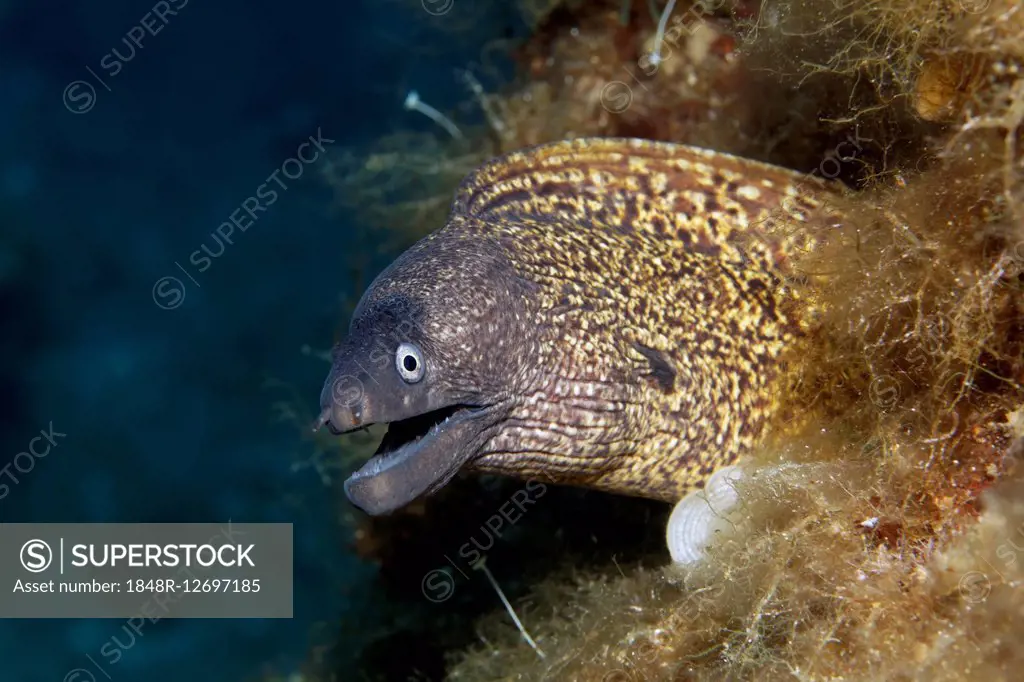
(701, 514)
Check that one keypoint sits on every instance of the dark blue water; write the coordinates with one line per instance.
(158, 348)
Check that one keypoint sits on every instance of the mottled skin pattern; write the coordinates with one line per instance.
(622, 303)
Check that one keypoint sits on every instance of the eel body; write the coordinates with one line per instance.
(606, 313)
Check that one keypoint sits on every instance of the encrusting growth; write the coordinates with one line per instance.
(414, 103)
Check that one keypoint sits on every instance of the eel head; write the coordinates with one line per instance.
(421, 356)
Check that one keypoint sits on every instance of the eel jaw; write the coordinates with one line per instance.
(418, 456)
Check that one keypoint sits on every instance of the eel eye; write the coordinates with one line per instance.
(409, 362)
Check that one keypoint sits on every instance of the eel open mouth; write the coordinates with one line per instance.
(417, 455)
(408, 432)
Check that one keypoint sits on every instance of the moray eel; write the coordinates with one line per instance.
(606, 313)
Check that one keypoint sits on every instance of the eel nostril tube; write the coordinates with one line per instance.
(324, 418)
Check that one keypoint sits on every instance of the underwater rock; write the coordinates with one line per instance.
(888, 550)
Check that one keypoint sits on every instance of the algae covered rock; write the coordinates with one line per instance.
(880, 533)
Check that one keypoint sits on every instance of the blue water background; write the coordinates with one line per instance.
(167, 413)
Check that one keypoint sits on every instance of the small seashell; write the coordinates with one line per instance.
(701, 514)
